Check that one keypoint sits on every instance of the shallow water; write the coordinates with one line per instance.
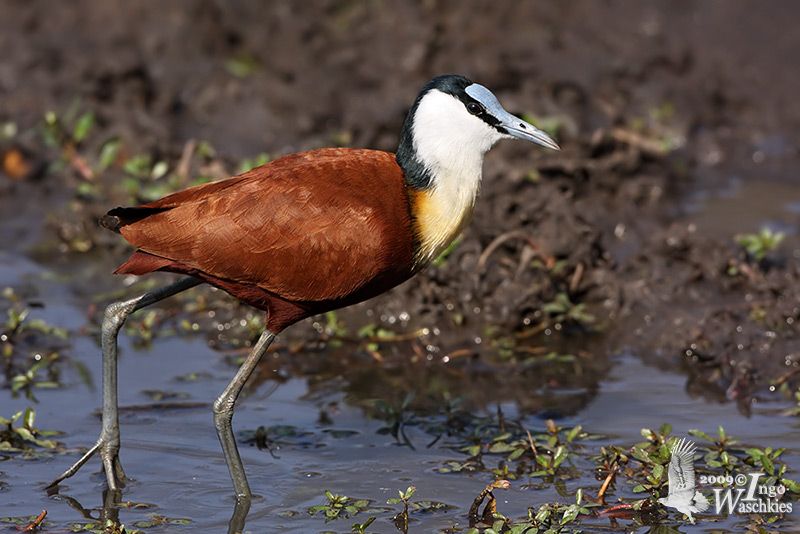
(735, 206)
(173, 454)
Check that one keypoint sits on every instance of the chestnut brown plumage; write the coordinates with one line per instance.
(309, 233)
(280, 240)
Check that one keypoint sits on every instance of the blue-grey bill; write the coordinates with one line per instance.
(514, 126)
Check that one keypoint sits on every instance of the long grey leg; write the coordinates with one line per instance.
(223, 415)
(108, 443)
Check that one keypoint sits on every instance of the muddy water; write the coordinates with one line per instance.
(172, 452)
(742, 206)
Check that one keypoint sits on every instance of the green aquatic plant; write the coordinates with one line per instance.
(759, 245)
(361, 528)
(341, 507)
(14, 438)
(562, 309)
(29, 348)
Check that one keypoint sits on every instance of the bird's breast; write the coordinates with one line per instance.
(440, 213)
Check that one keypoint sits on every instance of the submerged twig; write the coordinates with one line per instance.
(34, 525)
(783, 378)
(78, 162)
(491, 508)
(576, 278)
(601, 495)
(533, 446)
(186, 159)
(514, 234)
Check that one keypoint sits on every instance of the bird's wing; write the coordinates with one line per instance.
(681, 468)
(312, 226)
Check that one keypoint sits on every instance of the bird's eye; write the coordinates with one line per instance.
(474, 108)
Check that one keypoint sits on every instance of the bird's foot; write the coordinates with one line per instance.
(108, 447)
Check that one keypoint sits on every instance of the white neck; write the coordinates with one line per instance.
(450, 143)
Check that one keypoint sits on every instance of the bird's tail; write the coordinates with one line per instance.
(119, 217)
(700, 502)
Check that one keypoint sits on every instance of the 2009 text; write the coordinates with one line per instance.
(723, 480)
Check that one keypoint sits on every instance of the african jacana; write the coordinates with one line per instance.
(309, 233)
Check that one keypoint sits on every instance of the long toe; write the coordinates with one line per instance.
(115, 476)
(77, 465)
(109, 455)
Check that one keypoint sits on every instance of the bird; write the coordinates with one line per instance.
(309, 233)
(682, 494)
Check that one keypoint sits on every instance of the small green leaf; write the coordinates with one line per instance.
(502, 437)
(408, 399)
(516, 454)
(472, 450)
(138, 166)
(560, 456)
(640, 455)
(242, 65)
(159, 170)
(543, 514)
(29, 418)
(791, 485)
(658, 471)
(769, 467)
(573, 433)
(24, 433)
(570, 514)
(442, 258)
(499, 448)
(755, 453)
(83, 126)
